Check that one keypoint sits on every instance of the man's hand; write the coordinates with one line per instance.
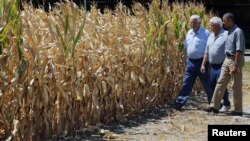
(203, 69)
(234, 69)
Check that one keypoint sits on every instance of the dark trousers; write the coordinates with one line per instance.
(191, 72)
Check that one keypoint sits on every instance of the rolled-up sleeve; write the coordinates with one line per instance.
(240, 41)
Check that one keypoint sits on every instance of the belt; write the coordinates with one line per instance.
(215, 65)
(229, 55)
(195, 59)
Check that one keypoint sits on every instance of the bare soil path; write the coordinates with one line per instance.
(164, 124)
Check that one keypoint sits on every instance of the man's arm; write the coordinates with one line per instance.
(204, 61)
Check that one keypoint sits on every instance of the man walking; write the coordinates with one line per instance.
(215, 55)
(195, 44)
(232, 67)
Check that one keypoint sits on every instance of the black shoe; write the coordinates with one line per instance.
(176, 106)
(211, 109)
(233, 113)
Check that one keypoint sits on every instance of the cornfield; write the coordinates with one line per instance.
(68, 69)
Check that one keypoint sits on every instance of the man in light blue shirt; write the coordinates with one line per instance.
(215, 54)
(195, 44)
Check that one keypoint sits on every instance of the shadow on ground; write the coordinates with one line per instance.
(95, 133)
(197, 102)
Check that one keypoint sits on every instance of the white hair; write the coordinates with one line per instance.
(195, 17)
(217, 21)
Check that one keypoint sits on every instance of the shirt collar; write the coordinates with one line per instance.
(232, 29)
(220, 33)
(198, 31)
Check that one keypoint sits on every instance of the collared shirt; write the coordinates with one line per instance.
(216, 47)
(196, 43)
(235, 41)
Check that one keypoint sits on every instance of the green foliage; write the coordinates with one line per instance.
(11, 26)
(177, 18)
(21, 67)
(70, 37)
(77, 38)
(158, 28)
(10, 20)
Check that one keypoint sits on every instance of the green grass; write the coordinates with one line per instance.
(247, 50)
(246, 67)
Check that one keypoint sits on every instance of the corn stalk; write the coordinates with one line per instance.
(76, 69)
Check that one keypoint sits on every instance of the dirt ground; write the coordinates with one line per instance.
(164, 124)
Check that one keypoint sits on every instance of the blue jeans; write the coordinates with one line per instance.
(192, 71)
(214, 76)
